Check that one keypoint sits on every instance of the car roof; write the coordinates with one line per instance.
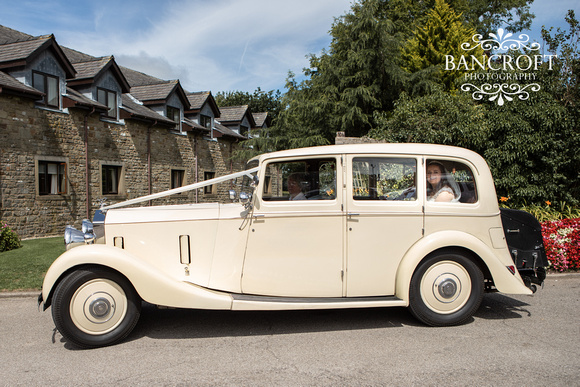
(377, 148)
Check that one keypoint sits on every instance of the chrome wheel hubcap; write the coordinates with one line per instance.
(98, 306)
(445, 287)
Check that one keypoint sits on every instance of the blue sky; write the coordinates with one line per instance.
(215, 45)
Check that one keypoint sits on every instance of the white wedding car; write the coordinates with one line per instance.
(342, 226)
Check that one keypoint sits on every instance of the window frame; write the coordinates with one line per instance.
(109, 167)
(174, 114)
(114, 107)
(61, 178)
(205, 121)
(46, 89)
(473, 174)
(373, 181)
(272, 183)
(180, 173)
(209, 189)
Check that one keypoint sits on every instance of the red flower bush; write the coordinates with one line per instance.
(562, 243)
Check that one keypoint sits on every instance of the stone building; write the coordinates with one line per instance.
(76, 130)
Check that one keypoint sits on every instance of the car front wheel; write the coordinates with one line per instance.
(94, 307)
(446, 289)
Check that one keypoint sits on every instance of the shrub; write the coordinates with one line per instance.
(562, 243)
(9, 240)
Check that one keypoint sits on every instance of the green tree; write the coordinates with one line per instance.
(487, 16)
(564, 44)
(359, 74)
(531, 145)
(259, 101)
(483, 15)
(443, 34)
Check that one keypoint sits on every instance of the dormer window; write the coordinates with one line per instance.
(109, 99)
(48, 84)
(205, 121)
(174, 114)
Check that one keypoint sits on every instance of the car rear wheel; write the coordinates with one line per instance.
(95, 307)
(446, 289)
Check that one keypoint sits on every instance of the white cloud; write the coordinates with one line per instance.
(218, 45)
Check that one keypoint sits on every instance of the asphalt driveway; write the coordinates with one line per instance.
(511, 341)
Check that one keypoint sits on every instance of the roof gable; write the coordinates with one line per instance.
(20, 54)
(87, 71)
(261, 119)
(232, 115)
(159, 93)
(199, 99)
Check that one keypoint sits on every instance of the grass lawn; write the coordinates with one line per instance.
(24, 268)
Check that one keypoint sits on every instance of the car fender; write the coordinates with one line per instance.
(152, 285)
(504, 280)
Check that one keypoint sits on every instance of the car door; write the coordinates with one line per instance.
(295, 242)
(384, 219)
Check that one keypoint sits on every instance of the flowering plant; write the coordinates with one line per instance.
(9, 240)
(562, 243)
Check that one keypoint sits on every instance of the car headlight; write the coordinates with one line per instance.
(85, 235)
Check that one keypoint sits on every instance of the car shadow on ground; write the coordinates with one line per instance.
(187, 324)
(496, 306)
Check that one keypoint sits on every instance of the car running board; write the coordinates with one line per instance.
(251, 302)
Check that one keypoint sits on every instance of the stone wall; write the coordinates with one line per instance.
(29, 135)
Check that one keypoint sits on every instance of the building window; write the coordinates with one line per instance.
(243, 130)
(174, 114)
(109, 99)
(48, 84)
(209, 189)
(205, 121)
(177, 177)
(51, 178)
(111, 179)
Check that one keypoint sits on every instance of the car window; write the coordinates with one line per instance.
(306, 179)
(384, 178)
(450, 181)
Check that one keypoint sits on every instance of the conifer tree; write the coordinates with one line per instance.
(442, 36)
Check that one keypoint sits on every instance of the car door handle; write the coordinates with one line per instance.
(352, 214)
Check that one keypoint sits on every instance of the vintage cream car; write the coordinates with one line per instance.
(344, 226)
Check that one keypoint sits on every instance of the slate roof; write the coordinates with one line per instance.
(198, 99)
(12, 85)
(260, 119)
(77, 99)
(194, 125)
(136, 78)
(76, 56)
(158, 92)
(87, 71)
(18, 54)
(227, 131)
(133, 109)
(235, 114)
(8, 35)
